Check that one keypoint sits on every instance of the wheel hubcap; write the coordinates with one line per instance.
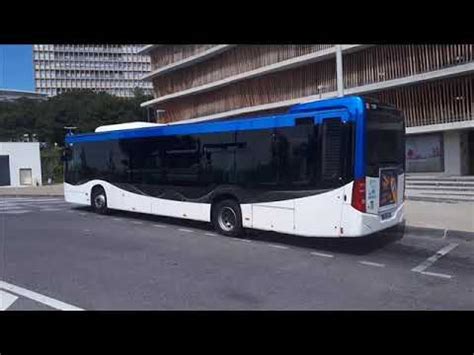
(99, 201)
(227, 219)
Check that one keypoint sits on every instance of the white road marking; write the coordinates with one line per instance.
(430, 261)
(159, 226)
(242, 240)
(15, 212)
(50, 209)
(117, 219)
(6, 300)
(13, 207)
(51, 302)
(444, 276)
(35, 200)
(211, 234)
(277, 246)
(53, 205)
(186, 230)
(369, 263)
(322, 254)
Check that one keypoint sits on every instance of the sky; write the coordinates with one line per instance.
(16, 67)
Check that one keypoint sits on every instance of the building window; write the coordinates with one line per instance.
(424, 153)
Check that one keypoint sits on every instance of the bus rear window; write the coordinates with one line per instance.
(385, 141)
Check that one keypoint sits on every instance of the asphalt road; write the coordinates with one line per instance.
(59, 256)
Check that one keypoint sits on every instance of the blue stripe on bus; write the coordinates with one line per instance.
(349, 108)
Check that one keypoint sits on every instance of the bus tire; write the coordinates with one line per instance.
(227, 218)
(99, 200)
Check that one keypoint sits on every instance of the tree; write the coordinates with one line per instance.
(83, 109)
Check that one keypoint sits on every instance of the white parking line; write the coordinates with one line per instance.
(117, 219)
(369, 263)
(6, 300)
(277, 246)
(444, 276)
(137, 222)
(186, 230)
(51, 302)
(211, 234)
(50, 209)
(430, 261)
(322, 254)
(159, 226)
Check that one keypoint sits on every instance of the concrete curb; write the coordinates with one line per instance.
(438, 233)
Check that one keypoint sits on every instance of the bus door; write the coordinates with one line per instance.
(321, 213)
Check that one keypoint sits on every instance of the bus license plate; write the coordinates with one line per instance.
(386, 215)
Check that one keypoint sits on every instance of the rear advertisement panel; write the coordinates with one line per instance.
(388, 188)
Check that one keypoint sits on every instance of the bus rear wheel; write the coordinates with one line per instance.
(99, 200)
(227, 218)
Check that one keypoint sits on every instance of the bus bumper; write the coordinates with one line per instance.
(358, 224)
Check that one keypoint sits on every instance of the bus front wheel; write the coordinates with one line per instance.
(227, 218)
(99, 200)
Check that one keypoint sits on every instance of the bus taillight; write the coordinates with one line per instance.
(358, 195)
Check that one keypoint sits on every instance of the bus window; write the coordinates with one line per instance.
(385, 143)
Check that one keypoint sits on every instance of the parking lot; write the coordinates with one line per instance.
(60, 256)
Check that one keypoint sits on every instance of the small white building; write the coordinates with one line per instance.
(20, 164)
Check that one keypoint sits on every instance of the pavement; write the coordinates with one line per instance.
(58, 256)
(457, 216)
(45, 190)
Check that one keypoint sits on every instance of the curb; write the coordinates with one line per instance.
(439, 233)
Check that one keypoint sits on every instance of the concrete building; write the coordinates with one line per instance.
(432, 84)
(112, 68)
(20, 164)
(9, 95)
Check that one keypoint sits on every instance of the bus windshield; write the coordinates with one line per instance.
(385, 140)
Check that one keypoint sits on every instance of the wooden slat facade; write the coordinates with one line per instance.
(441, 101)
(280, 86)
(387, 62)
(235, 61)
(437, 102)
(165, 55)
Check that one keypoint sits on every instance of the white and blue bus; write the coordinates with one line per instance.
(330, 168)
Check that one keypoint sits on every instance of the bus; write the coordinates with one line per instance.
(329, 168)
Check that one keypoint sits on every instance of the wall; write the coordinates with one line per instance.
(452, 153)
(23, 155)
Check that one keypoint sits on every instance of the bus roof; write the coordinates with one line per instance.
(353, 104)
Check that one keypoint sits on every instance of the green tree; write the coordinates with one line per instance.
(83, 109)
